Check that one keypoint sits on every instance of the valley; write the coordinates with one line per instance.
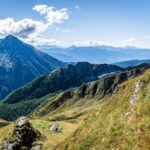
(94, 115)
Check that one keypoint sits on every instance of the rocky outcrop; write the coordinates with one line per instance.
(23, 136)
(106, 85)
(55, 128)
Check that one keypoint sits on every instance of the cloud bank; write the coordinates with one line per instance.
(27, 28)
(22, 28)
(31, 30)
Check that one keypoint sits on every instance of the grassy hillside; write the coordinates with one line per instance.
(93, 121)
(112, 126)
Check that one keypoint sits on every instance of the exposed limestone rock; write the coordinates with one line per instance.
(37, 147)
(55, 128)
(133, 99)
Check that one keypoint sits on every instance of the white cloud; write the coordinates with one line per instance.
(64, 30)
(128, 41)
(32, 28)
(90, 43)
(122, 43)
(23, 28)
(45, 41)
(77, 8)
(51, 14)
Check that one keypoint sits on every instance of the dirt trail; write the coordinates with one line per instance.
(134, 97)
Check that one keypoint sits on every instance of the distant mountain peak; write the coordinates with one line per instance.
(11, 44)
(11, 40)
(11, 37)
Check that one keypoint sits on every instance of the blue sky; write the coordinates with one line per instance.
(80, 22)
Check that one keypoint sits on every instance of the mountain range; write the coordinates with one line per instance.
(52, 105)
(20, 63)
(96, 54)
(129, 63)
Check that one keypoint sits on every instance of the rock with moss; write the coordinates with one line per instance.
(23, 136)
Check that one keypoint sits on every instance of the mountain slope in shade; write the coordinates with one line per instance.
(20, 63)
(25, 99)
(61, 79)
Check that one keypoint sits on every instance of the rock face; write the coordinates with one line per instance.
(22, 137)
(105, 86)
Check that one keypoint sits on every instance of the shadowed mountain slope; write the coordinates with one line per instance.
(20, 63)
(25, 99)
